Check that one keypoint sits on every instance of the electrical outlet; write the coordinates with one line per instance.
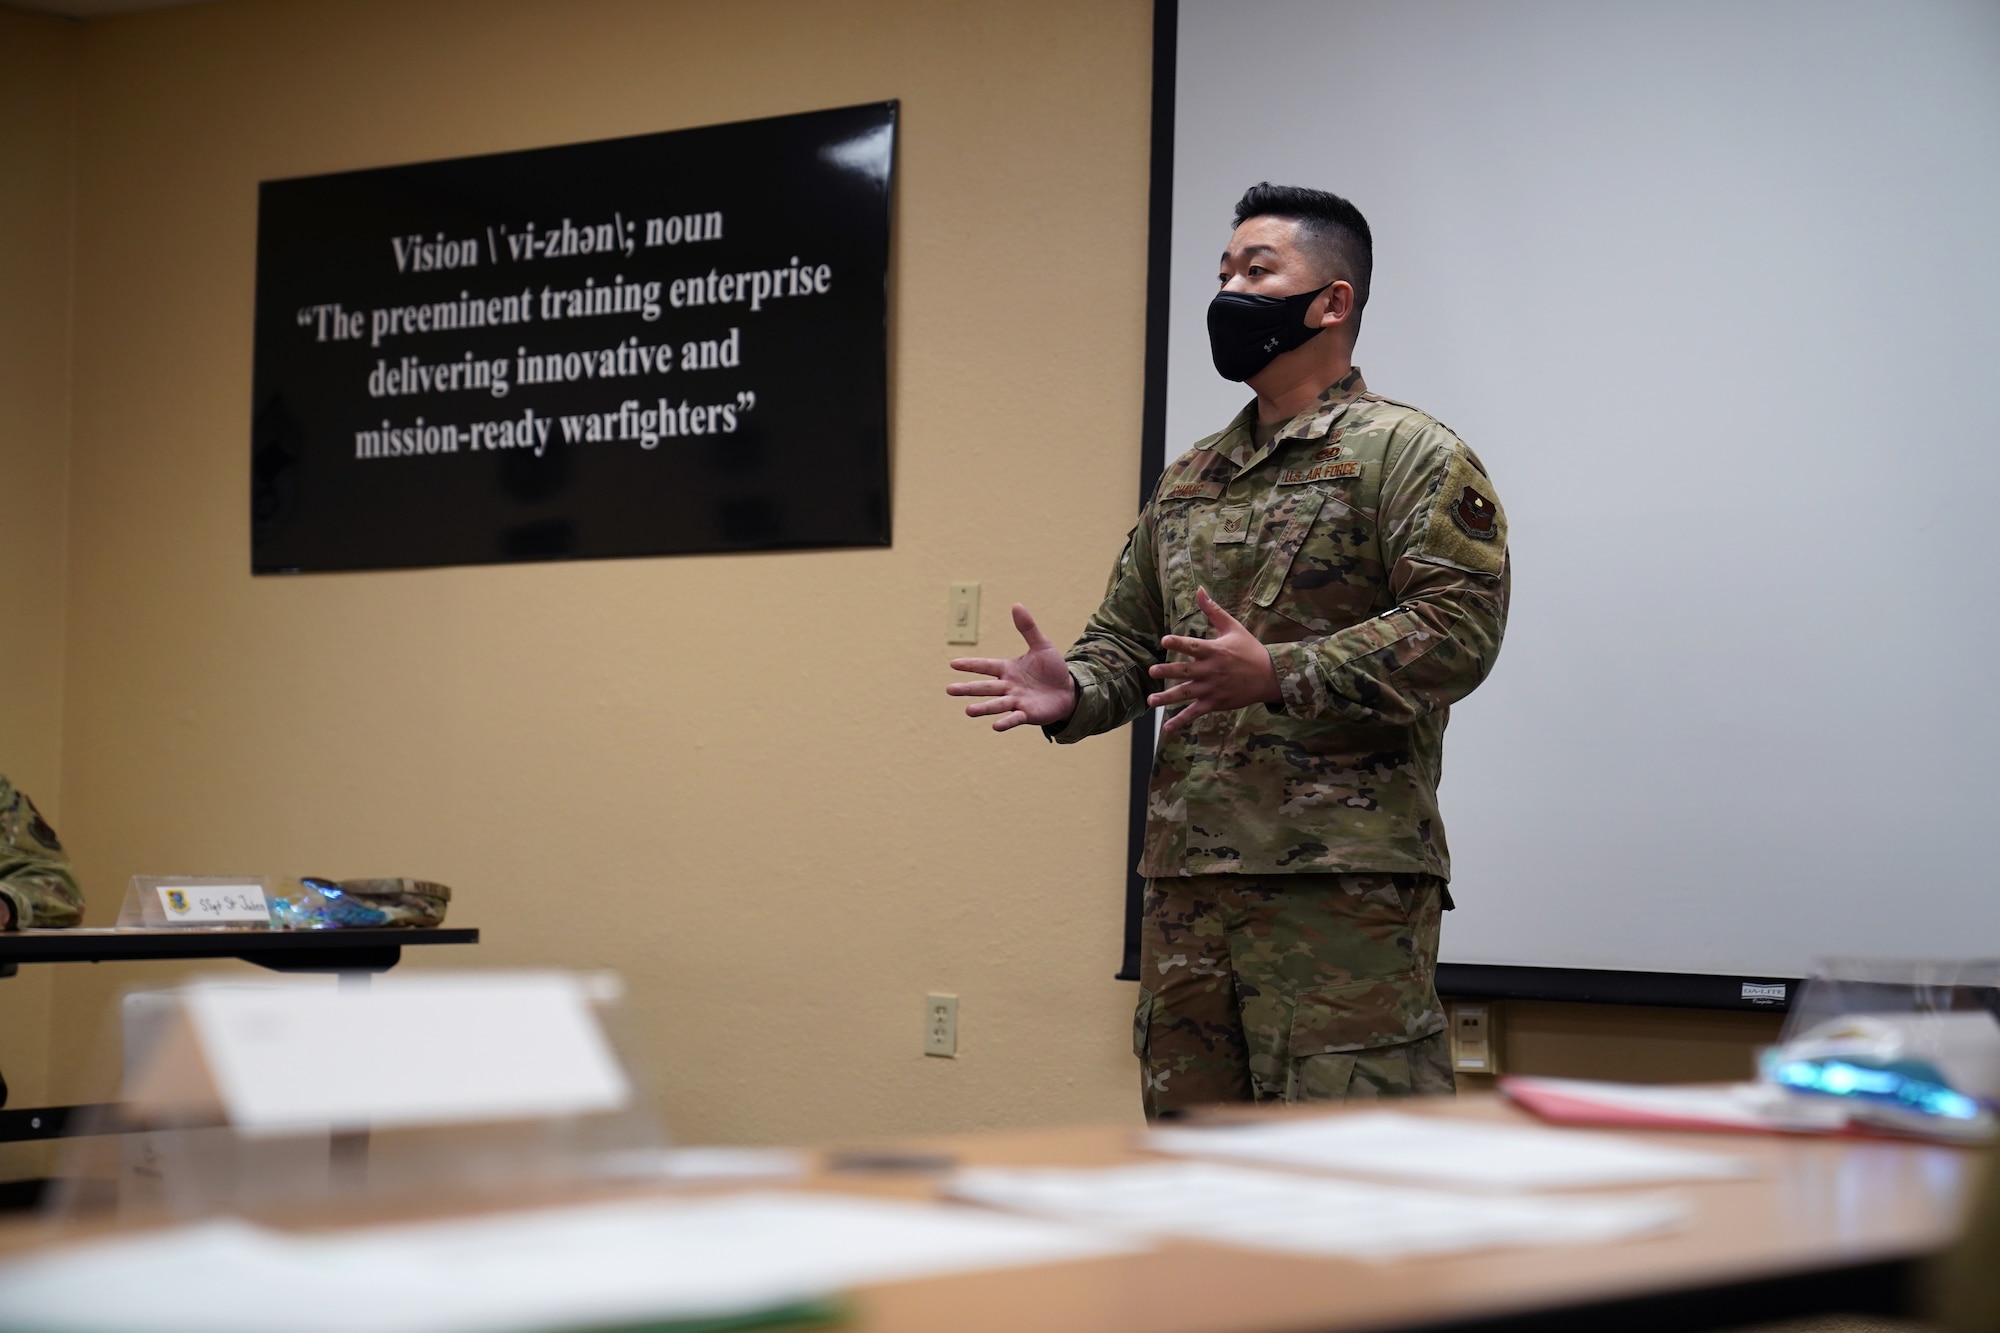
(1475, 1048)
(941, 1025)
(963, 623)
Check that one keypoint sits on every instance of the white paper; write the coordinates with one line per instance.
(510, 1273)
(421, 1050)
(1309, 1215)
(1452, 1153)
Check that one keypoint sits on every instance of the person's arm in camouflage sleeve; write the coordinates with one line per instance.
(40, 893)
(1120, 641)
(1444, 539)
(36, 886)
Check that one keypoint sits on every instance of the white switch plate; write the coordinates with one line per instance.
(941, 1025)
(1474, 1049)
(963, 623)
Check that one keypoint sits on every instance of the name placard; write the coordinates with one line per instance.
(213, 904)
(646, 346)
(421, 1050)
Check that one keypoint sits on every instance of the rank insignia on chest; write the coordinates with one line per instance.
(1232, 525)
(1297, 476)
(1475, 515)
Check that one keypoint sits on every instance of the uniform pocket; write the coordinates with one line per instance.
(1142, 1022)
(1362, 1015)
(1327, 571)
(1283, 546)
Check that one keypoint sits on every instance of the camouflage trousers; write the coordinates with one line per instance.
(1289, 988)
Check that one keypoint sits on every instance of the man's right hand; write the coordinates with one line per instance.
(1034, 687)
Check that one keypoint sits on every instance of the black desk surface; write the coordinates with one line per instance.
(280, 950)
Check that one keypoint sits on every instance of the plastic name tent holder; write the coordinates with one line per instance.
(262, 1098)
(196, 902)
(1906, 1045)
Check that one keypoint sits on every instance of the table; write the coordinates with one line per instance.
(280, 950)
(1828, 1225)
(373, 950)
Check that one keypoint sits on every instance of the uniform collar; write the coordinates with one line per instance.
(1239, 445)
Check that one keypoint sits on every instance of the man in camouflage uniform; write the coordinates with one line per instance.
(36, 886)
(1316, 584)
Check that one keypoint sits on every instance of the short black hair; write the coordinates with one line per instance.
(1331, 230)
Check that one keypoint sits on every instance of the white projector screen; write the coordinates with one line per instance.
(1714, 289)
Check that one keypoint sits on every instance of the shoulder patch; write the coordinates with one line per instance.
(1467, 527)
(39, 828)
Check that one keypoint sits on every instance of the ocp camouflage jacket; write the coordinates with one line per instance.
(1365, 547)
(34, 873)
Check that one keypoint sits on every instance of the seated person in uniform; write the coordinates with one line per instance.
(36, 886)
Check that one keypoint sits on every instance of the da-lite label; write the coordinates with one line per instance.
(214, 903)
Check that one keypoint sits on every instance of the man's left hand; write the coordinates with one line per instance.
(1219, 675)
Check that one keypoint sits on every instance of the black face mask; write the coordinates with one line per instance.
(1247, 332)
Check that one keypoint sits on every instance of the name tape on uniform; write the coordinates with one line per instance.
(1321, 472)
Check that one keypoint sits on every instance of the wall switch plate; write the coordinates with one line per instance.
(1475, 1048)
(963, 625)
(941, 1025)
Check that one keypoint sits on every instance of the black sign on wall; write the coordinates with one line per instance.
(643, 346)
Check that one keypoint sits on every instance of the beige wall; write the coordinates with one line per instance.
(37, 186)
(733, 779)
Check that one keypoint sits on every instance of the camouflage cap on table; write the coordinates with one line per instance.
(313, 903)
